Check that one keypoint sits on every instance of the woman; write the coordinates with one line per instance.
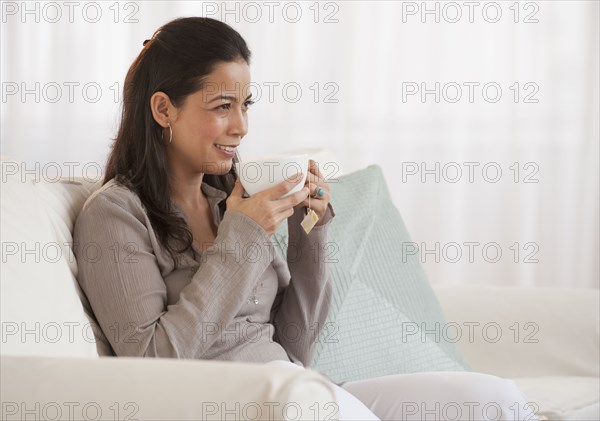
(176, 262)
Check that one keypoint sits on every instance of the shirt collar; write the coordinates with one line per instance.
(214, 197)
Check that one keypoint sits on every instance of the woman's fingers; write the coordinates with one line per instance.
(314, 168)
(318, 206)
(313, 183)
(313, 180)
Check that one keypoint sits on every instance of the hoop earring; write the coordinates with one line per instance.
(170, 134)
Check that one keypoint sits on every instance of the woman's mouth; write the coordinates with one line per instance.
(227, 151)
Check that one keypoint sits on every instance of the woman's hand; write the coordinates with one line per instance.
(267, 208)
(314, 180)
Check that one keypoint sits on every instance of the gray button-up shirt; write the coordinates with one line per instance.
(205, 308)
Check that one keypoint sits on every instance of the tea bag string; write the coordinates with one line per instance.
(308, 195)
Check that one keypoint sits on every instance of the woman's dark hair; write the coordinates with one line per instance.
(175, 61)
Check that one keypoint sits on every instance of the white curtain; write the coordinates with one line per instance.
(441, 95)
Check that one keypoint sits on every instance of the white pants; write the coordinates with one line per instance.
(441, 395)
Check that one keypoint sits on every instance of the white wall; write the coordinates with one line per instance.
(371, 54)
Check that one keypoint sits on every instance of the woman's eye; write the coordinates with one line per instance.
(227, 107)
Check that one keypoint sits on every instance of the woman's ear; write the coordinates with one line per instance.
(162, 109)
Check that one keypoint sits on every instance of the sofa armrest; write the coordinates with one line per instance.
(159, 389)
(524, 332)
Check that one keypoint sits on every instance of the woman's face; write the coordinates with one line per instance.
(215, 115)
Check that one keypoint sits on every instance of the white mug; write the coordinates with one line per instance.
(261, 174)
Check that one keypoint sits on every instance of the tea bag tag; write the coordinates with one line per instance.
(309, 220)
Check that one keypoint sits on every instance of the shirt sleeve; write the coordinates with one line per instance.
(128, 294)
(300, 309)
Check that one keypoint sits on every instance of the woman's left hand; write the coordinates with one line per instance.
(314, 181)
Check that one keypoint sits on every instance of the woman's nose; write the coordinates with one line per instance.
(238, 123)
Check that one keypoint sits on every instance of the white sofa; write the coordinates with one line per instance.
(50, 368)
(545, 339)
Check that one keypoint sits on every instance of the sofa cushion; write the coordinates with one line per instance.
(384, 315)
(41, 311)
(525, 331)
(559, 398)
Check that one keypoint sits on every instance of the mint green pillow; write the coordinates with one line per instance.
(384, 315)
